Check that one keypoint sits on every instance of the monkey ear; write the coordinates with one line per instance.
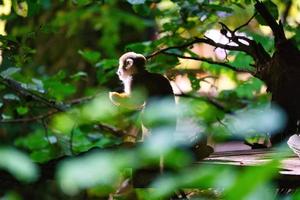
(129, 63)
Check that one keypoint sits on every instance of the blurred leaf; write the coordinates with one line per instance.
(195, 82)
(142, 9)
(22, 110)
(34, 141)
(20, 7)
(90, 56)
(8, 72)
(107, 63)
(136, 2)
(57, 89)
(79, 75)
(11, 97)
(245, 184)
(18, 164)
(219, 8)
(95, 169)
(257, 120)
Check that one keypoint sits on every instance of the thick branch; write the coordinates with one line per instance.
(277, 29)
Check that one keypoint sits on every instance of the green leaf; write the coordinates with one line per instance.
(219, 8)
(8, 72)
(136, 2)
(21, 8)
(22, 110)
(18, 164)
(33, 141)
(82, 2)
(11, 97)
(90, 56)
(107, 64)
(142, 9)
(194, 82)
(79, 75)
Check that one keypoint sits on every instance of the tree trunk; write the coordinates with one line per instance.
(281, 73)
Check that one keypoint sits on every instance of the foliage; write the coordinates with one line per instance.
(58, 63)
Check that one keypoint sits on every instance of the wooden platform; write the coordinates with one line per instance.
(239, 155)
(289, 173)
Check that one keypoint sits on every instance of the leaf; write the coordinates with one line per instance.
(194, 82)
(82, 2)
(8, 72)
(141, 47)
(22, 110)
(136, 2)
(219, 8)
(90, 56)
(142, 9)
(18, 164)
(21, 8)
(11, 97)
(107, 63)
(78, 75)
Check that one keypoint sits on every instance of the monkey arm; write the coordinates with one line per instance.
(127, 101)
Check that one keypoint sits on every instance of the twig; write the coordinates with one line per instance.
(205, 40)
(208, 61)
(46, 130)
(207, 99)
(245, 24)
(111, 129)
(16, 86)
(71, 140)
(30, 119)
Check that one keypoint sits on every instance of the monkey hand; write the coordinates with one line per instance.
(124, 100)
(116, 97)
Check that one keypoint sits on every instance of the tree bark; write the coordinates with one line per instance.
(281, 73)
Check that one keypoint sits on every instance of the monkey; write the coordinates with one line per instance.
(134, 76)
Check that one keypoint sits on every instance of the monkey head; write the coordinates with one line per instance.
(130, 63)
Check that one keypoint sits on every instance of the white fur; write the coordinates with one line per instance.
(125, 75)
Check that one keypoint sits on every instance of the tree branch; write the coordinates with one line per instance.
(208, 61)
(277, 29)
(208, 100)
(27, 94)
(30, 119)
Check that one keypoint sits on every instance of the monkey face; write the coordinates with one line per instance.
(129, 64)
(126, 68)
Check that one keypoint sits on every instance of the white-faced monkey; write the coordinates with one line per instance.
(135, 77)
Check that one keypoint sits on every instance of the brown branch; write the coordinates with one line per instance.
(111, 129)
(277, 29)
(245, 24)
(27, 94)
(211, 101)
(45, 126)
(254, 49)
(208, 61)
(286, 11)
(30, 119)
